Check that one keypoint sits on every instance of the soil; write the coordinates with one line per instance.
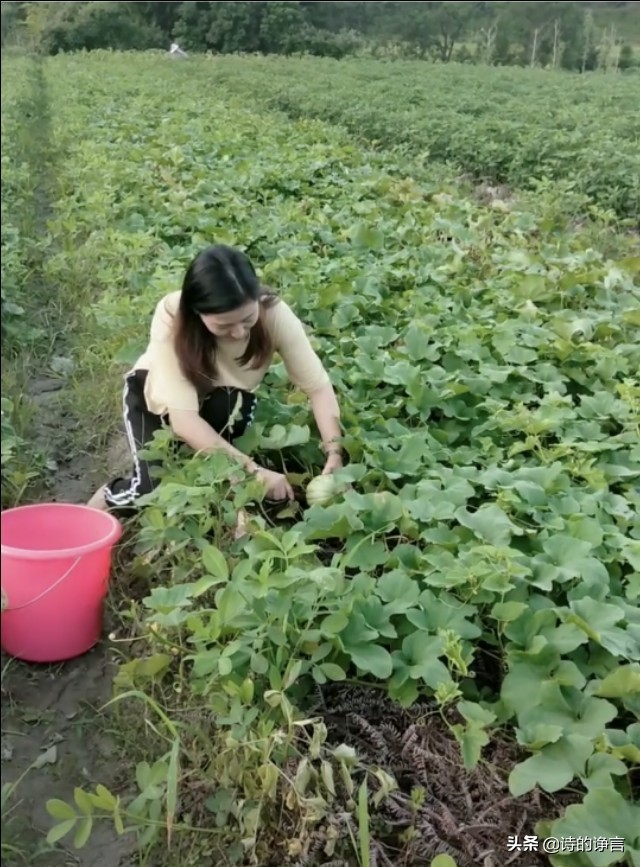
(50, 713)
(77, 475)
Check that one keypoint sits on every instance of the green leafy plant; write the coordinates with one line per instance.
(509, 126)
(22, 465)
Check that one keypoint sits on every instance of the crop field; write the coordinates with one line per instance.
(448, 654)
(521, 127)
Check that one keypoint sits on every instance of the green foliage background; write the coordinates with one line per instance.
(568, 34)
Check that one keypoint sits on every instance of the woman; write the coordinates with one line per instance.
(211, 345)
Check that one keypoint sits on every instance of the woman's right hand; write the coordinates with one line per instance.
(278, 488)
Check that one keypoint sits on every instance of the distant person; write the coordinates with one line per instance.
(176, 51)
(210, 346)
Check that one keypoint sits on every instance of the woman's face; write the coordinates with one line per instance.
(234, 325)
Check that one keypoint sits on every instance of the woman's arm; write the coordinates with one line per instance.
(197, 433)
(192, 429)
(326, 411)
(307, 372)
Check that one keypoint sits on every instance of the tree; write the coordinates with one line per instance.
(226, 27)
(234, 26)
(626, 59)
(164, 15)
(13, 18)
(607, 50)
(282, 27)
(536, 19)
(403, 22)
(434, 27)
(487, 36)
(346, 21)
(589, 59)
(544, 31)
(450, 21)
(192, 25)
(580, 50)
(107, 24)
(40, 21)
(335, 17)
(492, 32)
(568, 31)
(67, 26)
(560, 34)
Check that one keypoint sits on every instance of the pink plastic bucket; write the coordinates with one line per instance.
(56, 564)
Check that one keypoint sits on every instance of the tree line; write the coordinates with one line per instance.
(565, 34)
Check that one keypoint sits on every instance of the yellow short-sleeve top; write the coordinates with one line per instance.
(167, 388)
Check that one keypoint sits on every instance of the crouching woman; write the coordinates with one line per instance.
(210, 346)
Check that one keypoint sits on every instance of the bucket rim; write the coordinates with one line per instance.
(108, 539)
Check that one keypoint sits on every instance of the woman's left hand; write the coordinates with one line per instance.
(334, 462)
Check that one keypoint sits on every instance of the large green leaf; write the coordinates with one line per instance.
(490, 524)
(372, 658)
(399, 590)
(421, 653)
(603, 815)
(553, 768)
(599, 621)
(569, 709)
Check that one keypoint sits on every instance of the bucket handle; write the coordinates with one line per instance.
(7, 605)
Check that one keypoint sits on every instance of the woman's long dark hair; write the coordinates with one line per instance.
(220, 279)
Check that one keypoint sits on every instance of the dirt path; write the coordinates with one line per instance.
(49, 718)
(52, 736)
(50, 713)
